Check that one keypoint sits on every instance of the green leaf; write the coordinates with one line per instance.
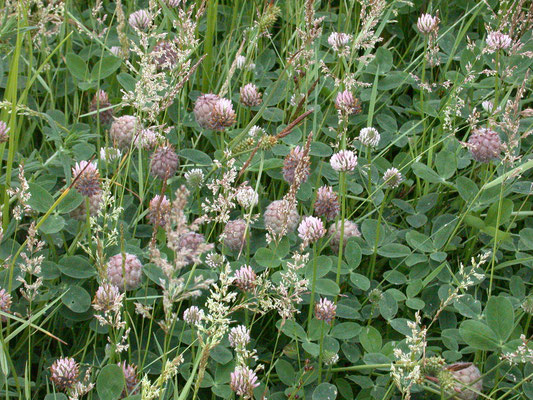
(221, 354)
(327, 287)
(478, 335)
(285, 372)
(273, 114)
(394, 250)
(40, 199)
(500, 316)
(292, 329)
(388, 306)
(196, 156)
(77, 299)
(77, 67)
(55, 396)
(425, 173)
(420, 241)
(126, 81)
(325, 391)
(105, 67)
(361, 281)
(467, 188)
(110, 382)
(370, 339)
(320, 149)
(76, 267)
(266, 258)
(499, 214)
(53, 224)
(346, 330)
(70, 202)
(352, 254)
(446, 164)
(526, 238)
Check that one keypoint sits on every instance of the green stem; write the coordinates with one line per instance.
(376, 241)
(320, 356)
(208, 43)
(342, 192)
(313, 288)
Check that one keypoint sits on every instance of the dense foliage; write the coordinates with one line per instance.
(279, 199)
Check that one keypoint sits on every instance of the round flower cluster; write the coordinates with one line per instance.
(107, 298)
(334, 232)
(392, 177)
(427, 23)
(498, 41)
(123, 131)
(280, 216)
(159, 210)
(247, 197)
(130, 376)
(468, 381)
(193, 315)
(295, 157)
(4, 132)
(86, 178)
(325, 310)
(101, 101)
(369, 137)
(250, 95)
(87, 182)
(80, 212)
(189, 243)
(347, 103)
(243, 381)
(164, 162)
(214, 112)
(327, 203)
(339, 41)
(239, 336)
(311, 229)
(64, 373)
(235, 234)
(485, 145)
(195, 178)
(140, 20)
(124, 272)
(165, 54)
(245, 278)
(5, 303)
(343, 161)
